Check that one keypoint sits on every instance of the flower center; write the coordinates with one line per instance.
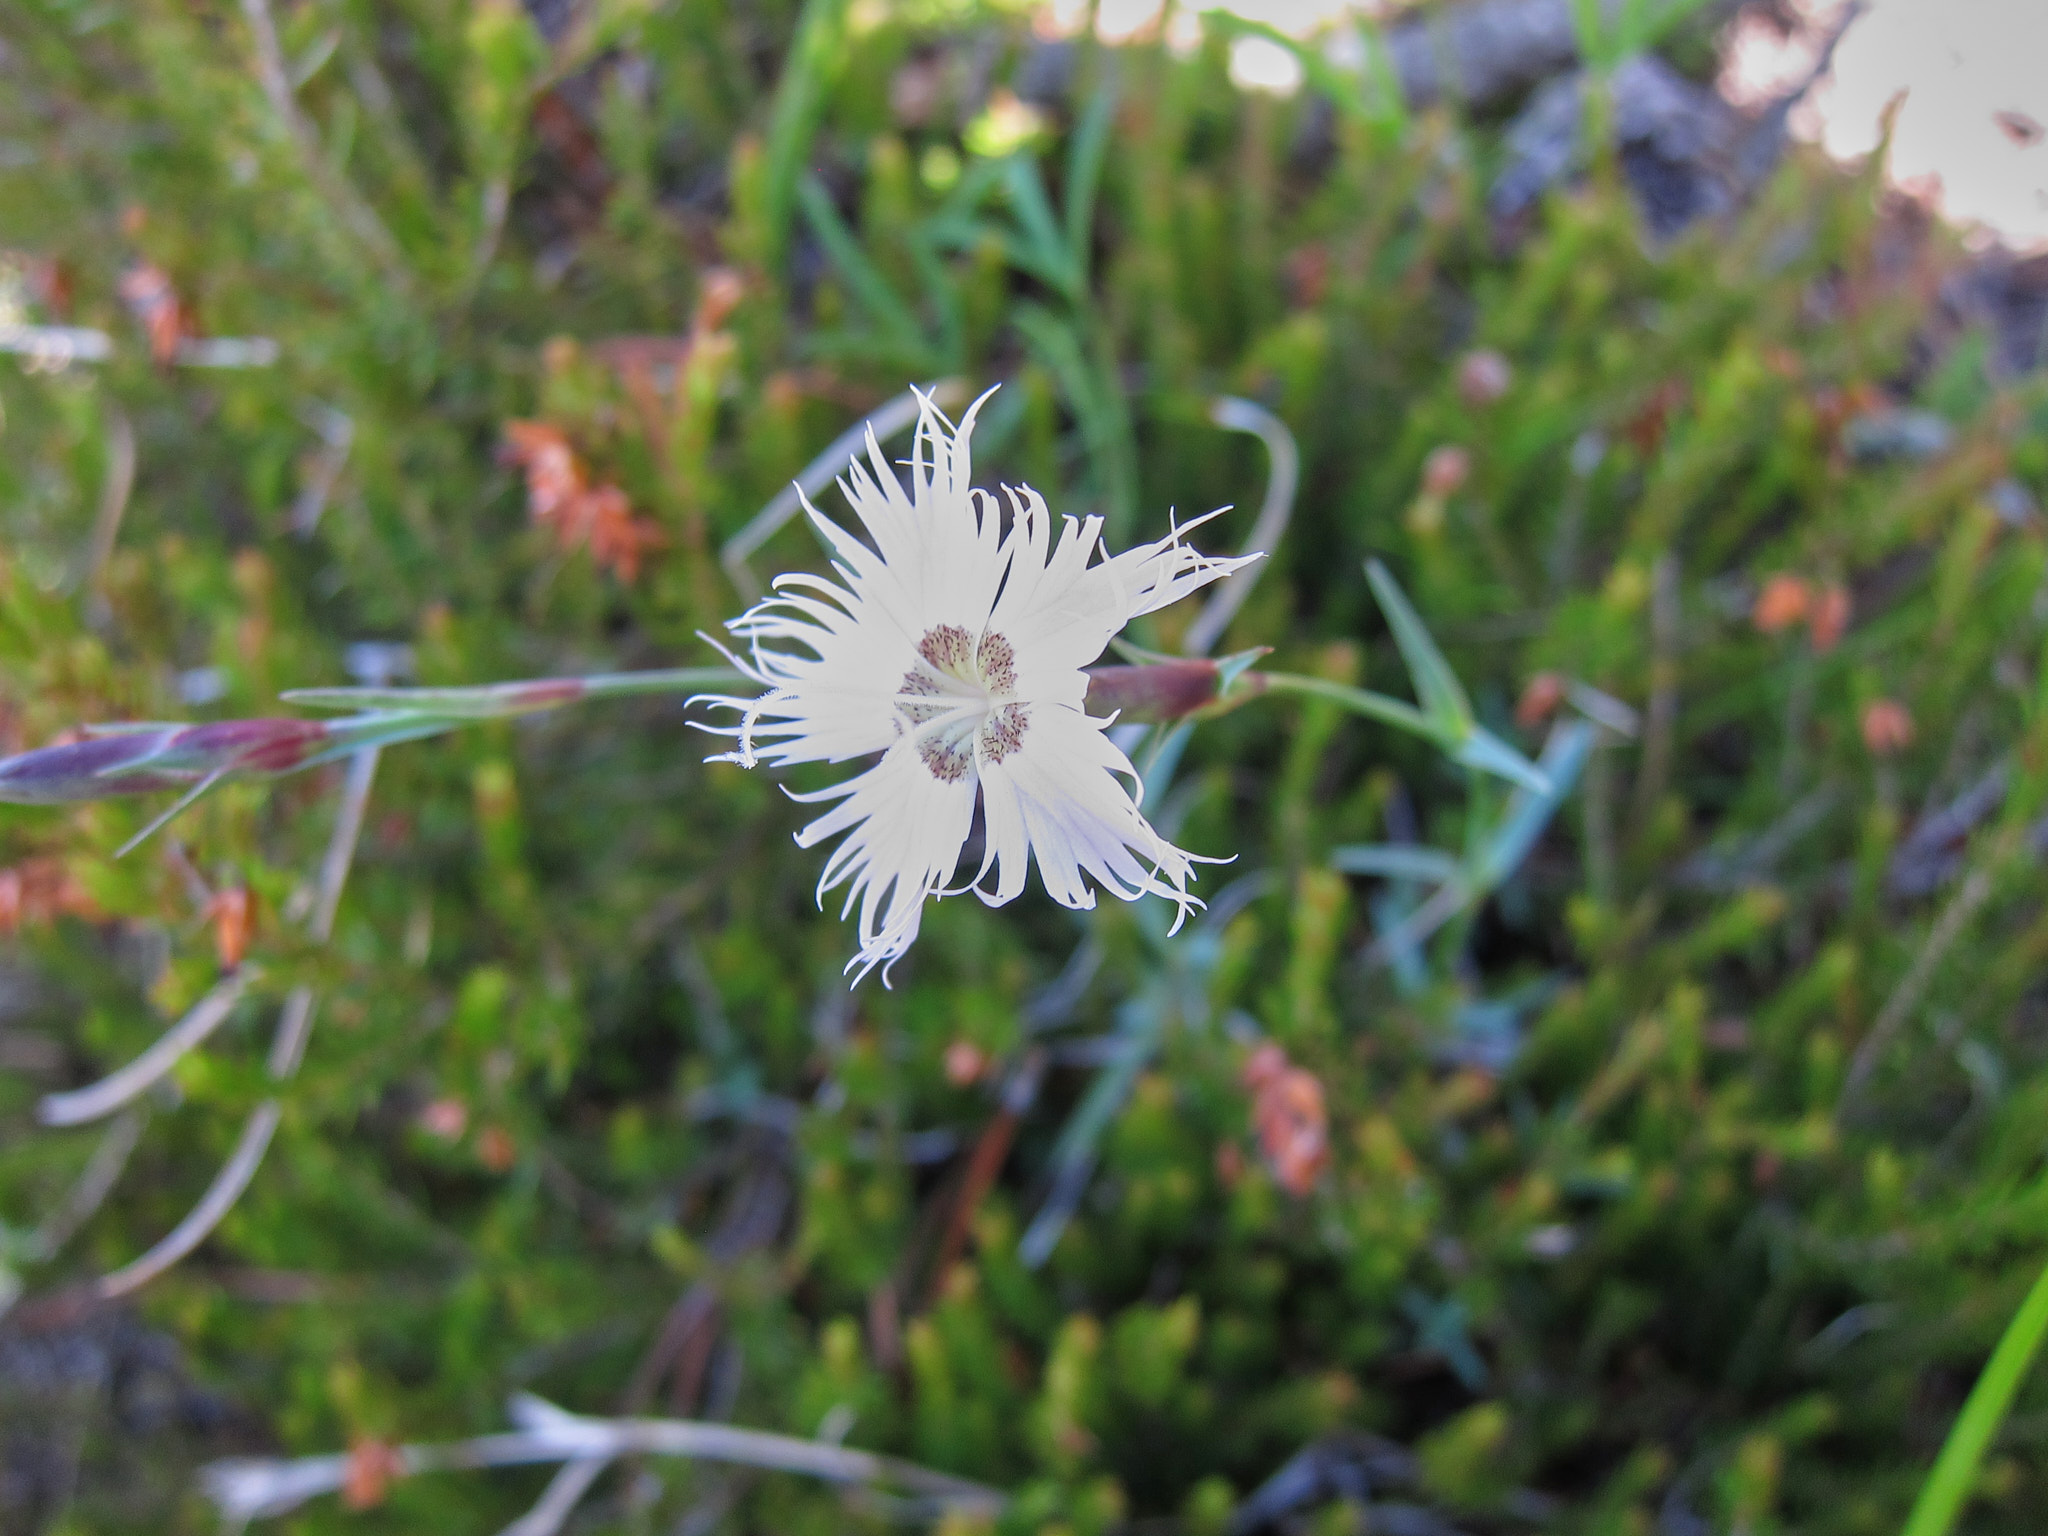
(959, 696)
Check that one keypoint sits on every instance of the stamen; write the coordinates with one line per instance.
(996, 660)
(948, 760)
(1003, 731)
(949, 648)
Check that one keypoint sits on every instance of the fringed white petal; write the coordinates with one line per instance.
(1061, 612)
(904, 831)
(1059, 798)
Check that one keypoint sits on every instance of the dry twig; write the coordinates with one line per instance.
(255, 1488)
(357, 215)
(1955, 917)
(295, 1022)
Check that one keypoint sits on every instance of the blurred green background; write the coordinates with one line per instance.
(1679, 1180)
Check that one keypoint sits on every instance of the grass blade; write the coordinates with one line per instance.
(1949, 1485)
(1436, 685)
(1084, 174)
(799, 104)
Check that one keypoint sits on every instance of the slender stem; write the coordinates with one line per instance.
(489, 701)
(254, 1488)
(295, 1023)
(123, 1086)
(1898, 1008)
(1363, 701)
(219, 1199)
(341, 843)
(563, 1493)
(1949, 1485)
(621, 685)
(357, 215)
(102, 1172)
(114, 494)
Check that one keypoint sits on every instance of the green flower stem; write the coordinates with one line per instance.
(491, 700)
(1363, 701)
(1949, 1485)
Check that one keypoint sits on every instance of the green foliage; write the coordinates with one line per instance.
(1683, 1099)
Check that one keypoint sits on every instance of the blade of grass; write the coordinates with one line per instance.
(1436, 685)
(864, 281)
(1084, 173)
(799, 103)
(1041, 251)
(1483, 750)
(1396, 861)
(1360, 701)
(1954, 1476)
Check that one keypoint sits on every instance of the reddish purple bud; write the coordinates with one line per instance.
(163, 757)
(86, 770)
(1162, 690)
(247, 746)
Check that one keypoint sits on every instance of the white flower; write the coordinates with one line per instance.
(954, 646)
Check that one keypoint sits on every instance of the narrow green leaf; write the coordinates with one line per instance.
(1530, 811)
(864, 280)
(1483, 750)
(1396, 861)
(1085, 151)
(1041, 252)
(1436, 685)
(1949, 1485)
(799, 104)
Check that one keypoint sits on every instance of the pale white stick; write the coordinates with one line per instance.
(102, 1172)
(1282, 479)
(219, 1199)
(57, 345)
(102, 1098)
(295, 1021)
(275, 80)
(341, 847)
(249, 1488)
(564, 1492)
(114, 495)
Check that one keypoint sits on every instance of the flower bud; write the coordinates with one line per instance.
(233, 915)
(1162, 690)
(1483, 377)
(1887, 727)
(1446, 470)
(1539, 700)
(1830, 617)
(1784, 601)
(84, 770)
(164, 757)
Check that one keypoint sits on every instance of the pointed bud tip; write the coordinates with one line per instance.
(83, 770)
